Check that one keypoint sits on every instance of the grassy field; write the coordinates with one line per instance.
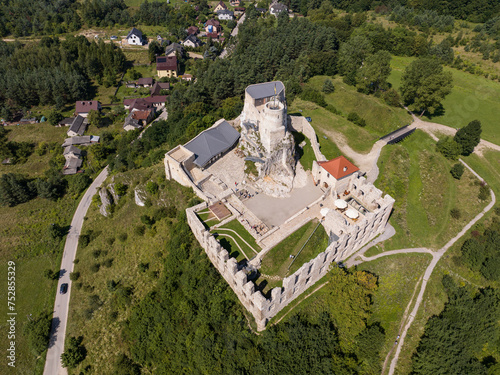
(472, 98)
(425, 192)
(306, 153)
(230, 241)
(130, 255)
(380, 117)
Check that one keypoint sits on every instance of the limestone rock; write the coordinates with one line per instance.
(139, 197)
(111, 189)
(105, 201)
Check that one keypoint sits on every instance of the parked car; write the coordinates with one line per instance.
(308, 119)
(64, 288)
(113, 37)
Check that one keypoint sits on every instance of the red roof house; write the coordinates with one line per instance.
(339, 167)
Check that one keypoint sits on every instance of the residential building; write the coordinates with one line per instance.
(235, 3)
(166, 66)
(276, 8)
(72, 152)
(193, 30)
(225, 15)
(85, 140)
(135, 38)
(192, 41)
(77, 127)
(137, 104)
(72, 165)
(220, 6)
(173, 49)
(83, 108)
(145, 82)
(186, 77)
(158, 87)
(212, 26)
(333, 173)
(157, 101)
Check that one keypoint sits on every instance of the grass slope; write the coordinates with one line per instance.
(418, 178)
(472, 98)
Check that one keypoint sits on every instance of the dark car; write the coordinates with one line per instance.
(64, 288)
(308, 119)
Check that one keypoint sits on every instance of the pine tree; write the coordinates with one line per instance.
(469, 137)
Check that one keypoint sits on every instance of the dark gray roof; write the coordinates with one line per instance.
(212, 142)
(193, 38)
(66, 121)
(78, 140)
(134, 31)
(265, 90)
(73, 163)
(73, 149)
(278, 7)
(78, 125)
(225, 11)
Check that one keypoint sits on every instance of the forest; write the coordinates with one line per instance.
(54, 72)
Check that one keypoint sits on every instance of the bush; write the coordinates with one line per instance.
(74, 354)
(484, 192)
(356, 119)
(328, 86)
(108, 262)
(73, 276)
(148, 221)
(457, 171)
(152, 187)
(76, 261)
(122, 237)
(143, 267)
(455, 213)
(392, 97)
(95, 267)
(139, 230)
(96, 253)
(51, 275)
(449, 148)
(312, 95)
(120, 189)
(38, 330)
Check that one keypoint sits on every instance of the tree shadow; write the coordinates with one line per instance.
(56, 322)
(440, 111)
(62, 272)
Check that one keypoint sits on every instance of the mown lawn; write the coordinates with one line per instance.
(306, 153)
(418, 178)
(473, 97)
(380, 117)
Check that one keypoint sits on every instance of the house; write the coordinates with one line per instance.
(261, 10)
(333, 173)
(145, 82)
(235, 3)
(83, 108)
(66, 121)
(173, 49)
(85, 140)
(157, 101)
(166, 66)
(137, 104)
(77, 127)
(158, 87)
(213, 36)
(186, 77)
(192, 41)
(72, 152)
(135, 38)
(212, 26)
(220, 6)
(143, 116)
(71, 166)
(193, 30)
(131, 85)
(239, 10)
(276, 8)
(131, 123)
(225, 15)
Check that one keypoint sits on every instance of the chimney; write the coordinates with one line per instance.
(345, 169)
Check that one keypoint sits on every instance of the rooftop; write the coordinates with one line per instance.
(212, 142)
(265, 90)
(136, 32)
(145, 81)
(78, 125)
(339, 167)
(166, 63)
(86, 106)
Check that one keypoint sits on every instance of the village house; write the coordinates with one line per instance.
(225, 15)
(166, 66)
(72, 152)
(192, 41)
(212, 26)
(193, 30)
(186, 77)
(77, 127)
(235, 3)
(173, 49)
(333, 173)
(83, 108)
(145, 82)
(276, 8)
(71, 166)
(131, 123)
(144, 117)
(137, 104)
(158, 87)
(220, 6)
(135, 38)
(84, 140)
(239, 10)
(157, 101)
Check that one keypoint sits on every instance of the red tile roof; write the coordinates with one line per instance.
(339, 167)
(141, 115)
(213, 35)
(156, 99)
(86, 106)
(145, 81)
(166, 63)
(212, 22)
(193, 30)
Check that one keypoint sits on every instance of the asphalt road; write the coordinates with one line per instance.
(61, 306)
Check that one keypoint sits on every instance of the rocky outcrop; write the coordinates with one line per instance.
(112, 191)
(140, 197)
(105, 201)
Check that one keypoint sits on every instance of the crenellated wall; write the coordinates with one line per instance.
(301, 125)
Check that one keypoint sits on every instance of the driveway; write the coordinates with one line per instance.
(61, 306)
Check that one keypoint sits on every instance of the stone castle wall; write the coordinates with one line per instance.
(301, 125)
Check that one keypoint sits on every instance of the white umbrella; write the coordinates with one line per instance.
(340, 203)
(352, 213)
(324, 211)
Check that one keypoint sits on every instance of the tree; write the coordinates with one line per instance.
(372, 76)
(15, 189)
(152, 187)
(424, 84)
(54, 117)
(75, 352)
(449, 148)
(351, 56)
(469, 137)
(38, 330)
(457, 171)
(94, 118)
(78, 183)
(154, 49)
(328, 86)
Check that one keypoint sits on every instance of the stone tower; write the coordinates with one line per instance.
(272, 129)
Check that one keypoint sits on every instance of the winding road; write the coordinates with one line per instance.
(53, 364)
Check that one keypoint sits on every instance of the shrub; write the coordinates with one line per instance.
(449, 148)
(78, 286)
(74, 354)
(455, 213)
(139, 230)
(143, 267)
(148, 221)
(312, 95)
(457, 171)
(484, 192)
(122, 237)
(95, 267)
(76, 261)
(38, 330)
(356, 119)
(96, 253)
(152, 187)
(120, 189)
(328, 86)
(392, 97)
(108, 262)
(111, 284)
(469, 136)
(110, 241)
(73, 276)
(51, 275)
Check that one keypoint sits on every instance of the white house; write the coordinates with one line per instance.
(192, 41)
(135, 38)
(225, 15)
(276, 8)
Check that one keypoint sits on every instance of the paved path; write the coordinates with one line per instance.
(389, 231)
(224, 52)
(61, 305)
